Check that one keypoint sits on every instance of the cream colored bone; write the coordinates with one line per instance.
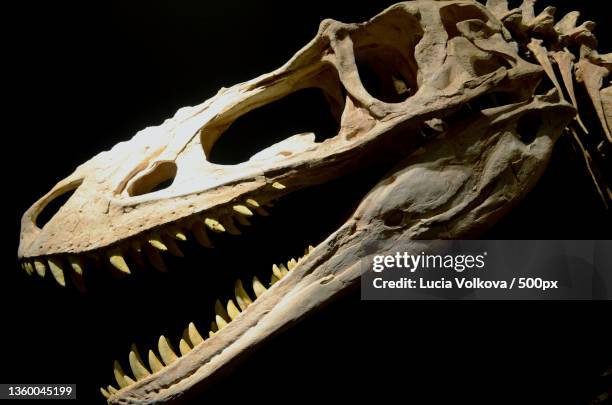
(439, 57)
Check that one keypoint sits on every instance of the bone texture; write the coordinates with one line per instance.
(470, 103)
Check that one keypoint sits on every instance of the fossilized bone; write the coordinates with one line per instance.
(442, 65)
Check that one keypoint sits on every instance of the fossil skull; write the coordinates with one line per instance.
(455, 111)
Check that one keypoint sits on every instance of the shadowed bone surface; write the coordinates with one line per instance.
(457, 187)
(442, 91)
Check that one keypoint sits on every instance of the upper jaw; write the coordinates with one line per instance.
(101, 214)
(102, 211)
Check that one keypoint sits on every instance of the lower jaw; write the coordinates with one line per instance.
(167, 303)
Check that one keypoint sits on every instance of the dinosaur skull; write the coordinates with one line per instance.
(446, 70)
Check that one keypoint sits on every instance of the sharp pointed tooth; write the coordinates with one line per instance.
(252, 203)
(220, 310)
(221, 323)
(210, 333)
(154, 363)
(243, 210)
(310, 248)
(194, 335)
(76, 264)
(277, 272)
(104, 393)
(283, 270)
(165, 351)
(213, 225)
(122, 379)
(242, 297)
(155, 258)
(112, 389)
(177, 234)
(116, 259)
(278, 186)
(228, 224)
(184, 347)
(199, 232)
(137, 366)
(56, 270)
(291, 264)
(185, 336)
(273, 280)
(40, 267)
(156, 242)
(258, 287)
(29, 268)
(173, 248)
(213, 326)
(232, 310)
(78, 281)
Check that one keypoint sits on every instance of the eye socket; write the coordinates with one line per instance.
(158, 178)
(388, 69)
(382, 81)
(54, 204)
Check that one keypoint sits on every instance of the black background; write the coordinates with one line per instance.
(87, 75)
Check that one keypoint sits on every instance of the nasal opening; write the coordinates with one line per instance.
(54, 203)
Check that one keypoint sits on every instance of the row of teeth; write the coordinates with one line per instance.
(151, 245)
(191, 336)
